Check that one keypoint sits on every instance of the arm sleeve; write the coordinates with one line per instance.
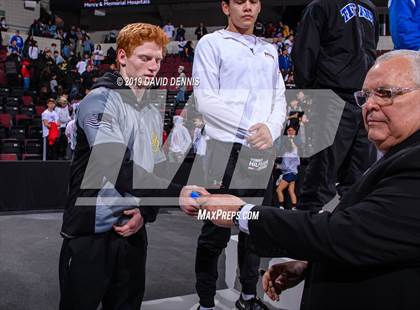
(407, 29)
(110, 157)
(278, 115)
(217, 112)
(383, 229)
(307, 45)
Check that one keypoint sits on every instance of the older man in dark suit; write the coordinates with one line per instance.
(365, 254)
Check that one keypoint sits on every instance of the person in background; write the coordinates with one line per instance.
(64, 118)
(3, 24)
(169, 30)
(181, 81)
(98, 55)
(189, 51)
(285, 62)
(33, 51)
(289, 168)
(58, 58)
(180, 33)
(259, 29)
(19, 40)
(334, 49)
(49, 119)
(404, 18)
(200, 146)
(71, 138)
(26, 74)
(200, 31)
(54, 85)
(181, 49)
(179, 141)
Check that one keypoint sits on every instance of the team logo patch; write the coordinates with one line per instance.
(257, 164)
(155, 143)
(100, 120)
(269, 55)
(351, 10)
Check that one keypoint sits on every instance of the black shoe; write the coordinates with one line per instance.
(252, 304)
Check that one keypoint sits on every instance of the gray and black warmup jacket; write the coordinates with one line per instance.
(118, 143)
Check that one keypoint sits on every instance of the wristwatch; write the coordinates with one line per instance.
(235, 219)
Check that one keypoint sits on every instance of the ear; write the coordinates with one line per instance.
(225, 8)
(122, 57)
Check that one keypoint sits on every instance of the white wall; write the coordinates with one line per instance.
(17, 17)
(42, 42)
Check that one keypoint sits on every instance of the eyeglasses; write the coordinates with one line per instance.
(383, 96)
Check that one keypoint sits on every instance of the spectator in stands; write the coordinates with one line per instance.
(200, 146)
(33, 51)
(111, 37)
(87, 78)
(111, 55)
(189, 51)
(285, 62)
(289, 167)
(53, 47)
(181, 49)
(49, 120)
(68, 47)
(98, 55)
(13, 49)
(26, 74)
(404, 17)
(112, 67)
(58, 58)
(87, 45)
(3, 24)
(64, 118)
(71, 138)
(81, 65)
(19, 40)
(169, 30)
(54, 85)
(200, 31)
(270, 31)
(286, 31)
(179, 141)
(279, 30)
(259, 29)
(28, 42)
(290, 81)
(180, 33)
(181, 81)
(35, 28)
(52, 29)
(289, 41)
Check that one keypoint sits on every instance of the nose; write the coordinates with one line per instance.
(371, 103)
(154, 65)
(247, 5)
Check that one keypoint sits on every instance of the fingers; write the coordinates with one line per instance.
(132, 226)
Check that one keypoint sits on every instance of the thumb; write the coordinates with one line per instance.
(202, 200)
(254, 127)
(131, 212)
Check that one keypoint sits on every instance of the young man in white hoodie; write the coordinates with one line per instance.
(241, 98)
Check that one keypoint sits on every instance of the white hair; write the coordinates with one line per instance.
(413, 56)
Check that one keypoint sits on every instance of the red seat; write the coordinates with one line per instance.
(39, 109)
(8, 157)
(27, 101)
(5, 120)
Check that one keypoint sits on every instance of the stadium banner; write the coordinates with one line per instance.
(103, 4)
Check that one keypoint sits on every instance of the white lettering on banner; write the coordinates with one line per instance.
(226, 215)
